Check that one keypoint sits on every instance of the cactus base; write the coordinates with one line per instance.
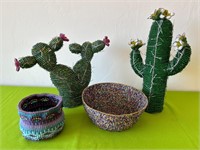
(154, 109)
(72, 102)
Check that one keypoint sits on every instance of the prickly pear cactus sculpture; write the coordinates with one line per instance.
(70, 82)
(157, 65)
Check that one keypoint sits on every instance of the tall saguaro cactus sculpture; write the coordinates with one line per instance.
(70, 82)
(157, 65)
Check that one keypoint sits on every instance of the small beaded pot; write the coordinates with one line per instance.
(113, 106)
(41, 116)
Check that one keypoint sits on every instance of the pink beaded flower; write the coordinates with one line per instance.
(17, 64)
(63, 37)
(106, 41)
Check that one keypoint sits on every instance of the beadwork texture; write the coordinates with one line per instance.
(70, 82)
(157, 65)
(112, 106)
(41, 116)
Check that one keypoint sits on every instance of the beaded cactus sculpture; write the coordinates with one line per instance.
(157, 65)
(70, 82)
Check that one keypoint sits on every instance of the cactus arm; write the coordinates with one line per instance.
(27, 62)
(83, 71)
(97, 46)
(136, 59)
(45, 56)
(83, 67)
(56, 43)
(136, 62)
(75, 48)
(179, 62)
(87, 52)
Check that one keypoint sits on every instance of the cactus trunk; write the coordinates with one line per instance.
(157, 59)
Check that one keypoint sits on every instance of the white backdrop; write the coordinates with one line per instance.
(24, 23)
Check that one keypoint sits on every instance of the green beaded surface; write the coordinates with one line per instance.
(158, 65)
(70, 82)
(27, 62)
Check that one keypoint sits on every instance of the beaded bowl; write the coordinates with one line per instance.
(41, 116)
(113, 106)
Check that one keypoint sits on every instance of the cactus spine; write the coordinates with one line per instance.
(70, 82)
(157, 65)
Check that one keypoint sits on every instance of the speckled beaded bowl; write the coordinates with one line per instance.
(113, 106)
(41, 116)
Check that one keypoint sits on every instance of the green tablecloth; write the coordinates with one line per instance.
(177, 127)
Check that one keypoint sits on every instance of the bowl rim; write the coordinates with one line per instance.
(39, 95)
(133, 113)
